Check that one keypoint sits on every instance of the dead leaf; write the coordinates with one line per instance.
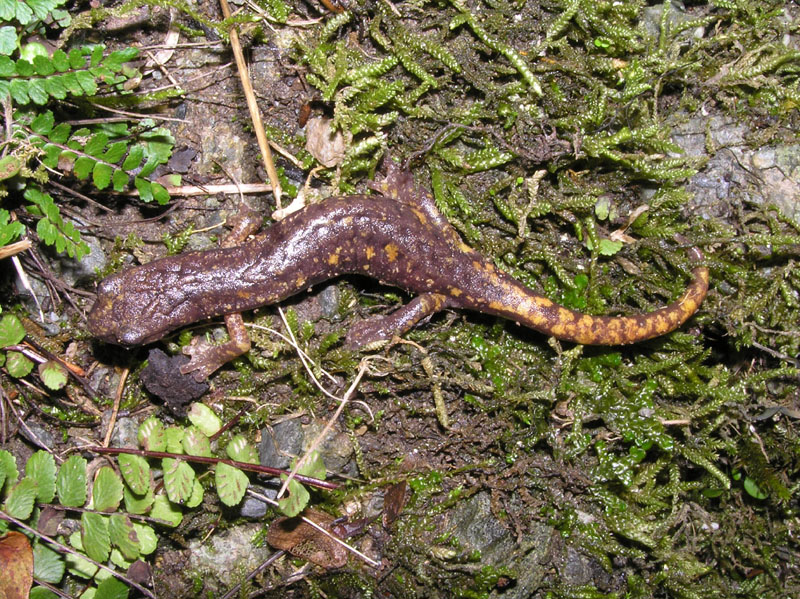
(16, 564)
(140, 572)
(323, 143)
(299, 538)
(394, 499)
(49, 521)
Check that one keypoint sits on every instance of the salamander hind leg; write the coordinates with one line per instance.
(245, 223)
(399, 185)
(374, 332)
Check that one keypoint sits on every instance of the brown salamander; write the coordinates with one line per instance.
(398, 237)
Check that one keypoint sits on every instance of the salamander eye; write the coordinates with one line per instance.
(106, 287)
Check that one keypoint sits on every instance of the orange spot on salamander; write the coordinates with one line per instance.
(391, 251)
(370, 252)
(333, 259)
(420, 215)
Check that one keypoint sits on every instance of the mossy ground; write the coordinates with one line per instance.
(670, 467)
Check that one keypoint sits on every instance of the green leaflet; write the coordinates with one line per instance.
(32, 79)
(71, 482)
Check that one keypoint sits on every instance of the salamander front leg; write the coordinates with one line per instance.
(376, 331)
(206, 358)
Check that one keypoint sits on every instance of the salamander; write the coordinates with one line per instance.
(398, 237)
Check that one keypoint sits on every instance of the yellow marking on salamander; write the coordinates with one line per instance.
(333, 259)
(660, 324)
(370, 251)
(564, 315)
(455, 291)
(391, 251)
(387, 191)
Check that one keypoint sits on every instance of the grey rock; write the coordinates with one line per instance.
(38, 435)
(52, 323)
(767, 175)
(226, 557)
(336, 450)
(328, 299)
(253, 507)
(476, 528)
(39, 289)
(74, 272)
(125, 433)
(651, 20)
(291, 438)
(280, 442)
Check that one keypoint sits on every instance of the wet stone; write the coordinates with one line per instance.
(125, 432)
(252, 507)
(477, 529)
(729, 171)
(75, 272)
(279, 443)
(329, 298)
(38, 435)
(226, 556)
(288, 439)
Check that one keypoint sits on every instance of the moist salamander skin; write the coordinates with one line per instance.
(397, 237)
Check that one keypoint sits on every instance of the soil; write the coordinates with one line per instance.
(475, 515)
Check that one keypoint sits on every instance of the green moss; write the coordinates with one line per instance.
(674, 461)
(177, 242)
(121, 249)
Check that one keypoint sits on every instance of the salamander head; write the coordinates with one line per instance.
(117, 317)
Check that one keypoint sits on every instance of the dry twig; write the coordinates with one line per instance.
(252, 105)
